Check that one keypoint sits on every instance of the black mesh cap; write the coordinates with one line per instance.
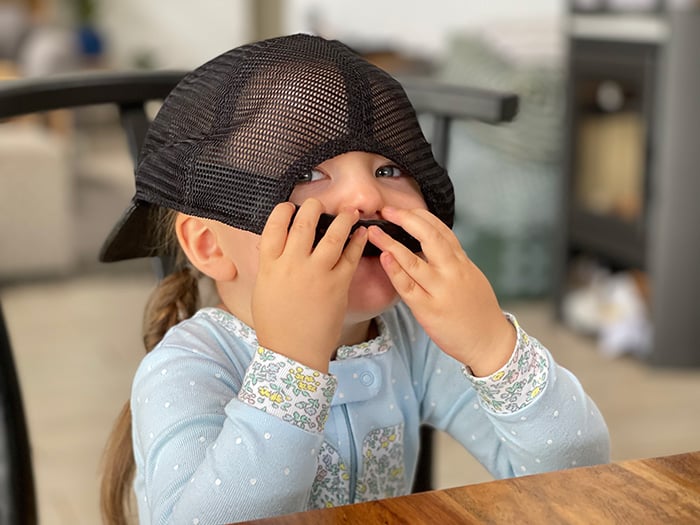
(233, 137)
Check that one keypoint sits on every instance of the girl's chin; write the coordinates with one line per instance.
(371, 290)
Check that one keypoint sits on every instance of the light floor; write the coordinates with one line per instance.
(77, 345)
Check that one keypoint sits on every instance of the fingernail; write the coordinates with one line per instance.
(376, 230)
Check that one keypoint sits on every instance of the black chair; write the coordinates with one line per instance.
(444, 105)
(130, 92)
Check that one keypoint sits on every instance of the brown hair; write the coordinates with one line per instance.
(174, 299)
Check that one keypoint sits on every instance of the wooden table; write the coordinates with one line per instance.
(661, 491)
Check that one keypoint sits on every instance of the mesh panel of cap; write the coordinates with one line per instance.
(234, 136)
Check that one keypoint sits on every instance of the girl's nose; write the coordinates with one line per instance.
(364, 193)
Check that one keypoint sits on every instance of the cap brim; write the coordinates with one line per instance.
(132, 236)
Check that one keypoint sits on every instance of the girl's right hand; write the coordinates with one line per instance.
(301, 292)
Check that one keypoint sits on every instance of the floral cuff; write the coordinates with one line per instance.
(520, 381)
(289, 390)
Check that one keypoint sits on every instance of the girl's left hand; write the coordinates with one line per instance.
(447, 293)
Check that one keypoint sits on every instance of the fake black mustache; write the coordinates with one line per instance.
(391, 229)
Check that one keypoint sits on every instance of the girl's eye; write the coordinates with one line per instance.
(310, 176)
(388, 171)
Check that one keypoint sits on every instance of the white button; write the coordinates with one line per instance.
(366, 378)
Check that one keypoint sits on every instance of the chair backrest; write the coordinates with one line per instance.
(17, 497)
(445, 104)
(130, 91)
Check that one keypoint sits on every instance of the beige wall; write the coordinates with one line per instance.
(174, 33)
(182, 33)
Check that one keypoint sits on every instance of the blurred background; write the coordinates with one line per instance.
(582, 212)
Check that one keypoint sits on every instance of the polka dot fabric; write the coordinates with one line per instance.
(213, 443)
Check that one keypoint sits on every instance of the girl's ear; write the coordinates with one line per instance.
(200, 244)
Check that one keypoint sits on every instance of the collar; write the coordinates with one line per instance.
(239, 329)
(376, 346)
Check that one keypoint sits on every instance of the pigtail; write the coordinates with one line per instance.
(118, 470)
(175, 299)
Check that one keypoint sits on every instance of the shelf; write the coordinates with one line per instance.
(611, 238)
(638, 27)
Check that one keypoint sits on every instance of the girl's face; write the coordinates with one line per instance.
(365, 181)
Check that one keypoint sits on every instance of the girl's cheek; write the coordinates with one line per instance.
(299, 195)
(406, 190)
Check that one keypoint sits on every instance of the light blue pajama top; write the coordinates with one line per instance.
(226, 431)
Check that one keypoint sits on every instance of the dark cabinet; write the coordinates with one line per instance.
(611, 125)
(632, 162)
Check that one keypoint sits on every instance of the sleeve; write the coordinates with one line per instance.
(214, 447)
(531, 416)
(519, 382)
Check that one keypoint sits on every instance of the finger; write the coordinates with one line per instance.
(415, 267)
(274, 235)
(408, 288)
(302, 232)
(434, 239)
(444, 230)
(330, 248)
(352, 255)
(384, 241)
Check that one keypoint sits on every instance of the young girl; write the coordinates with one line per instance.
(305, 387)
